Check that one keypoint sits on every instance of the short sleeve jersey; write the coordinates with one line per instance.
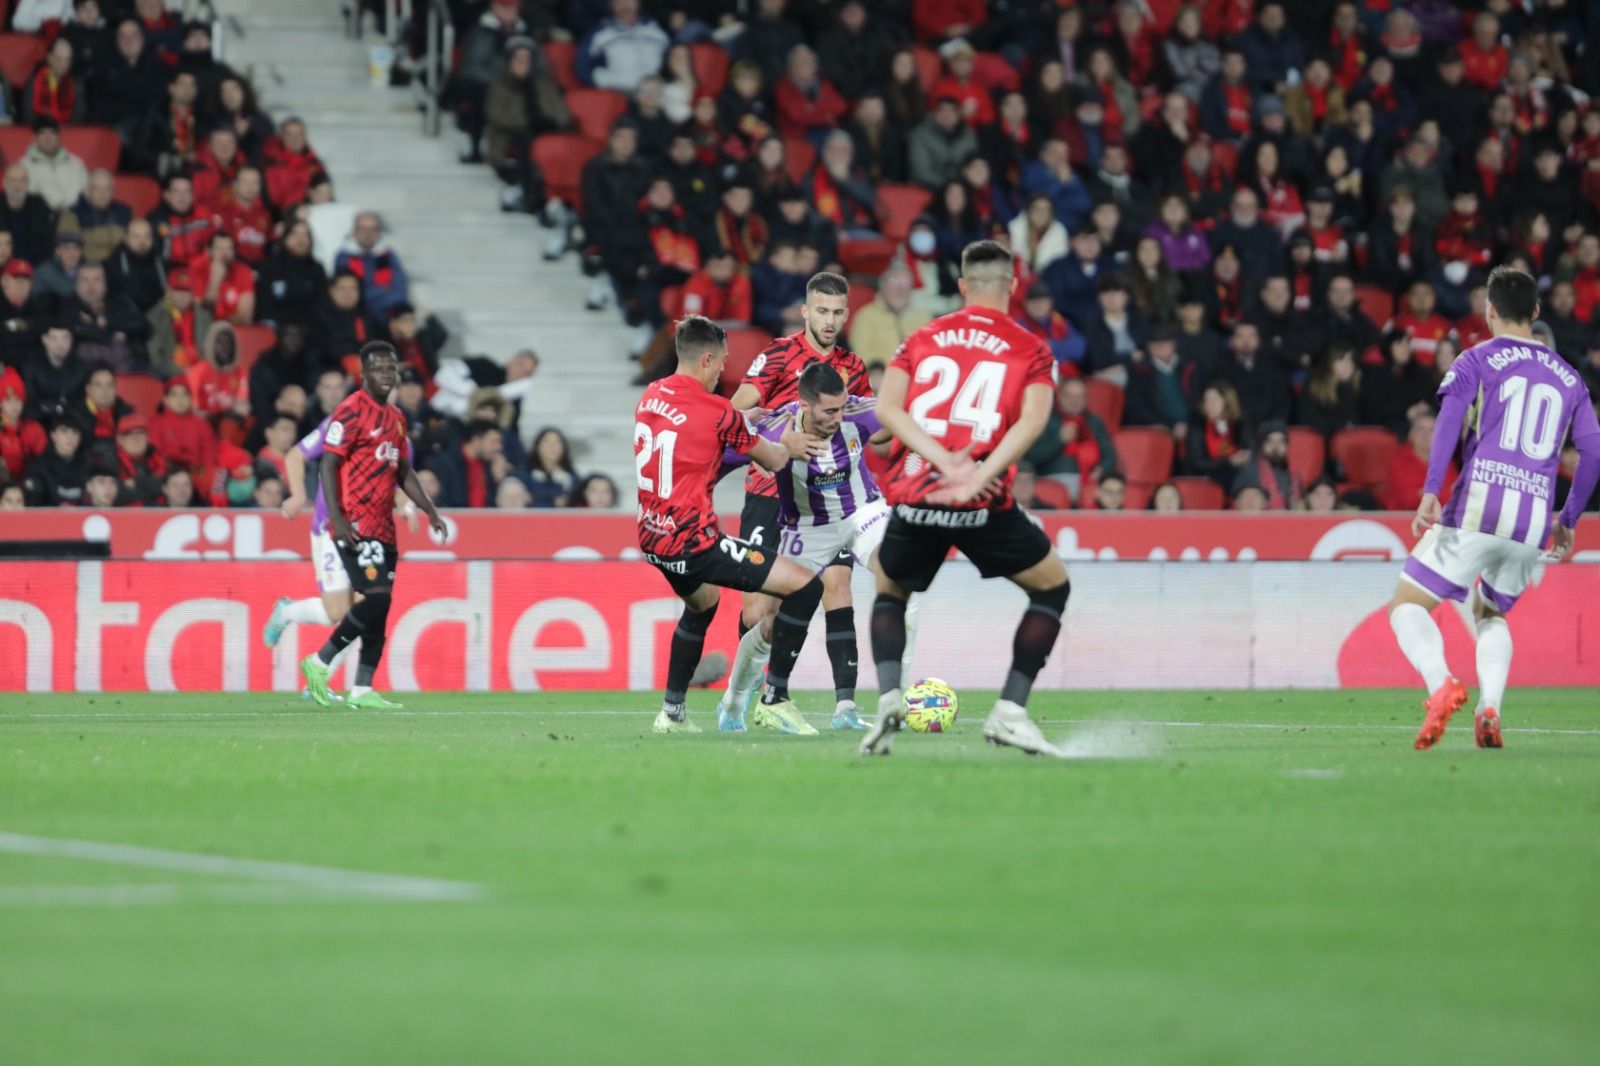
(680, 435)
(776, 375)
(371, 437)
(1524, 398)
(969, 370)
(310, 446)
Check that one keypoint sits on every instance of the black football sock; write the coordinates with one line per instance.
(888, 639)
(842, 652)
(688, 642)
(366, 616)
(373, 640)
(788, 637)
(1036, 635)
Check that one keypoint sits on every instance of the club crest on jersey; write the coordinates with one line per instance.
(335, 434)
(387, 452)
(756, 558)
(372, 573)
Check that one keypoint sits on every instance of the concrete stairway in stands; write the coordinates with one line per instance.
(478, 268)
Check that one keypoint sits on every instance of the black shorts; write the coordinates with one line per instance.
(368, 562)
(999, 543)
(731, 563)
(758, 522)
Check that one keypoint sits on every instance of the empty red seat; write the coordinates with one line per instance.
(799, 157)
(14, 142)
(561, 157)
(98, 146)
(899, 206)
(1144, 455)
(866, 255)
(142, 392)
(1376, 303)
(19, 54)
(1052, 495)
(1106, 400)
(560, 56)
(929, 65)
(1364, 454)
(743, 347)
(141, 194)
(596, 111)
(1308, 453)
(710, 67)
(253, 340)
(1200, 494)
(861, 294)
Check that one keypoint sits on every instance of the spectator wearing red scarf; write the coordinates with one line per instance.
(1485, 58)
(21, 439)
(1227, 108)
(139, 467)
(216, 165)
(52, 92)
(1328, 244)
(838, 189)
(959, 83)
(738, 228)
(808, 104)
(1317, 103)
(1141, 53)
(97, 412)
(470, 474)
(1347, 43)
(181, 226)
(1268, 469)
(1226, 19)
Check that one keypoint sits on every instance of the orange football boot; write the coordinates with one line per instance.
(1450, 698)
(1486, 728)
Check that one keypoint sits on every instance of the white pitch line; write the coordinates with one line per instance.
(321, 878)
(159, 895)
(333, 715)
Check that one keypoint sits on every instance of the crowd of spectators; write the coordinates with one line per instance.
(1252, 217)
(171, 354)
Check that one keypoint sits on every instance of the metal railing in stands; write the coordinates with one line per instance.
(435, 63)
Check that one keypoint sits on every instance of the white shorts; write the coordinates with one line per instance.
(857, 536)
(1447, 562)
(331, 575)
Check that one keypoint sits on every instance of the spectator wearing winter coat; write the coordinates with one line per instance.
(57, 478)
(1052, 175)
(288, 362)
(375, 262)
(1164, 387)
(459, 379)
(1258, 245)
(1258, 380)
(176, 323)
(54, 173)
(129, 85)
(522, 104)
(1040, 318)
(1420, 170)
(54, 91)
(178, 433)
(22, 439)
(808, 105)
(1271, 49)
(1037, 236)
(97, 218)
(1075, 277)
(1268, 469)
(1182, 244)
(940, 144)
(134, 270)
(26, 216)
(878, 329)
(622, 50)
(108, 327)
(1191, 58)
(483, 61)
(552, 479)
(57, 277)
(855, 51)
(55, 374)
(768, 38)
(1114, 339)
(470, 472)
(21, 316)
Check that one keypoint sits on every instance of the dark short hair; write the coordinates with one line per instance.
(1112, 476)
(1513, 293)
(377, 350)
(980, 253)
(696, 335)
(827, 284)
(479, 427)
(819, 380)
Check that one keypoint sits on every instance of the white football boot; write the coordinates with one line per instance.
(1009, 726)
(891, 712)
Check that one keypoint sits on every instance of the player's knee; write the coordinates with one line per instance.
(1051, 601)
(696, 620)
(835, 588)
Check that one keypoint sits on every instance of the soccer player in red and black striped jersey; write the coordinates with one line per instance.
(363, 461)
(681, 432)
(772, 381)
(965, 397)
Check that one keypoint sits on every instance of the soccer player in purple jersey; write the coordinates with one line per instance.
(1517, 399)
(830, 517)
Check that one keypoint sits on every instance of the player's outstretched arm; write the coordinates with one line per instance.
(894, 418)
(745, 398)
(773, 456)
(333, 496)
(412, 486)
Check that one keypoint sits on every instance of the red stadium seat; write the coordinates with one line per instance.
(140, 193)
(991, 70)
(596, 111)
(14, 142)
(142, 392)
(899, 206)
(1363, 454)
(1200, 494)
(799, 157)
(1137, 496)
(561, 157)
(672, 302)
(929, 66)
(1144, 454)
(20, 53)
(1308, 454)
(1226, 155)
(1376, 303)
(97, 146)
(561, 56)
(743, 347)
(870, 256)
(861, 294)
(1105, 402)
(710, 67)
(1052, 495)
(253, 340)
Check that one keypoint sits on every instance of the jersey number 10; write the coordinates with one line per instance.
(647, 446)
(976, 406)
(1532, 418)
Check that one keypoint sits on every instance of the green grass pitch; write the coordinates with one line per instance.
(1276, 878)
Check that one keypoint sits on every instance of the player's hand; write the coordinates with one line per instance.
(795, 442)
(1429, 512)
(410, 515)
(1560, 543)
(342, 532)
(436, 523)
(293, 504)
(965, 487)
(955, 465)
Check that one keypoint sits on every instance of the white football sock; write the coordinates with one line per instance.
(308, 610)
(1494, 661)
(357, 691)
(1421, 642)
(746, 672)
(913, 609)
